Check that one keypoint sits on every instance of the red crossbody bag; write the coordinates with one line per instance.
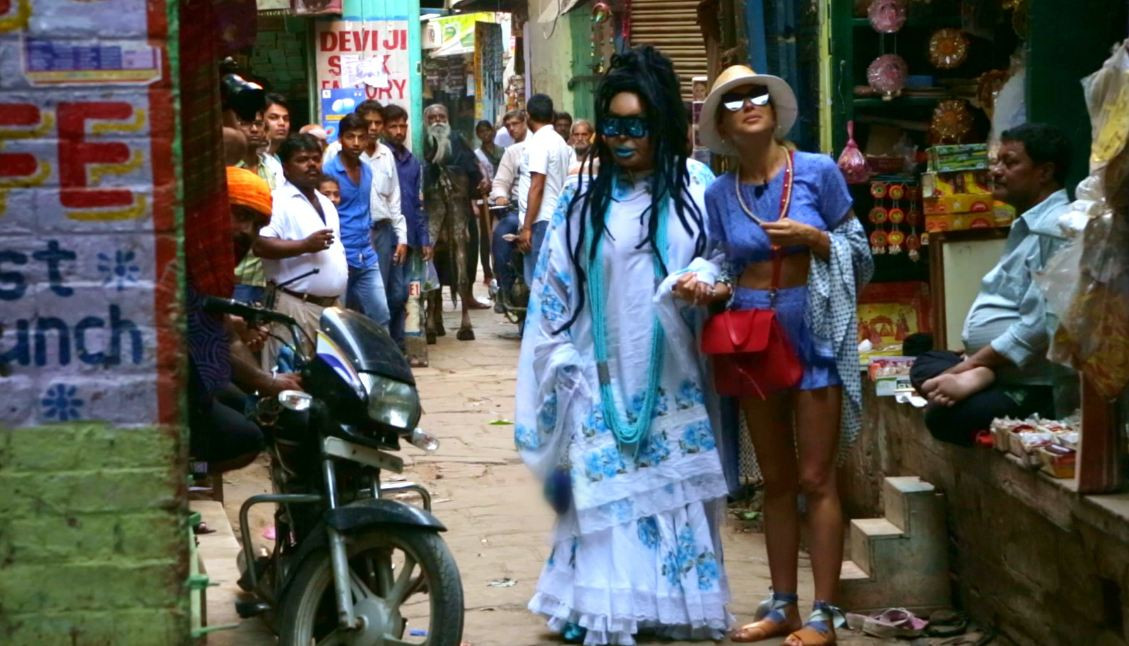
(752, 355)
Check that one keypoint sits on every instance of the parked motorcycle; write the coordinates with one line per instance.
(349, 564)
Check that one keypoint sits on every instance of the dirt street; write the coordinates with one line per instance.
(498, 523)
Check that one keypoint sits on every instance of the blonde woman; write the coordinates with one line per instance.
(792, 208)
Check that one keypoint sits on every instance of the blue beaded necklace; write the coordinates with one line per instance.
(629, 435)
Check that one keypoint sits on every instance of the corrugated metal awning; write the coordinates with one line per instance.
(672, 27)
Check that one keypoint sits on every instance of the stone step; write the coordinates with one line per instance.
(863, 534)
(902, 499)
(852, 572)
(900, 560)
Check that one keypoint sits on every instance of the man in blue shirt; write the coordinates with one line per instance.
(365, 290)
(1004, 371)
(419, 241)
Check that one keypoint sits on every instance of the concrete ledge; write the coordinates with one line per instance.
(1028, 554)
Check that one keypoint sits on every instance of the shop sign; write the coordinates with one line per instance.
(335, 104)
(372, 55)
(453, 35)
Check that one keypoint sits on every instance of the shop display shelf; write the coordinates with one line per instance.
(900, 101)
(915, 21)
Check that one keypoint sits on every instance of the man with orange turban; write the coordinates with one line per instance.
(221, 369)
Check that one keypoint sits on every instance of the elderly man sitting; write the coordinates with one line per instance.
(1004, 371)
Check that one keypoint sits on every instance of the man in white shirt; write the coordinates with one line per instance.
(303, 257)
(549, 160)
(509, 188)
(389, 226)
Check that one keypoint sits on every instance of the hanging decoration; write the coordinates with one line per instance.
(952, 122)
(913, 218)
(626, 32)
(601, 13)
(887, 75)
(887, 16)
(948, 48)
(602, 37)
(988, 87)
(878, 216)
(896, 237)
(852, 162)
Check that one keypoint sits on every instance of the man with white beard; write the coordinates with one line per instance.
(452, 178)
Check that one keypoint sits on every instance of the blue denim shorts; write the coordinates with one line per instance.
(791, 307)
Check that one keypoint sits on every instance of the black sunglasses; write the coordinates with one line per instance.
(634, 127)
(735, 101)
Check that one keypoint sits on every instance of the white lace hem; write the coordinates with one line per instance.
(620, 630)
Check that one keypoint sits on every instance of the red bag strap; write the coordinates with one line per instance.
(785, 206)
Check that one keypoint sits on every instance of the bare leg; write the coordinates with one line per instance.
(770, 427)
(817, 438)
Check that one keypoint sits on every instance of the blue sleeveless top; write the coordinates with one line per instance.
(820, 198)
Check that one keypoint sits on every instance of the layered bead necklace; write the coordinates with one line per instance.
(629, 435)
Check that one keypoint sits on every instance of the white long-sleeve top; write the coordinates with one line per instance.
(385, 199)
(511, 180)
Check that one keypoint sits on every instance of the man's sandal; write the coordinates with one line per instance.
(776, 616)
(819, 629)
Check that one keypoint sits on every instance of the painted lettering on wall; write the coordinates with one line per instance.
(87, 214)
(372, 55)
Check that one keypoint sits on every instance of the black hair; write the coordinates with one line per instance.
(351, 121)
(647, 73)
(393, 112)
(514, 114)
(327, 178)
(1045, 144)
(367, 106)
(539, 107)
(296, 144)
(482, 124)
(274, 98)
(563, 115)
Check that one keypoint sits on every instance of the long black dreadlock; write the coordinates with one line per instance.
(647, 73)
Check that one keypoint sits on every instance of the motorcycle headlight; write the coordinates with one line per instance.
(390, 402)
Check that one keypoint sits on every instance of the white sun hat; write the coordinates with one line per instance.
(783, 103)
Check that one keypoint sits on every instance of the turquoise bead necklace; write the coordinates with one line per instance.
(629, 435)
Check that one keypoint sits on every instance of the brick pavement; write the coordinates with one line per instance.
(498, 524)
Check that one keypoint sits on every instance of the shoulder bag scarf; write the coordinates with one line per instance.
(752, 355)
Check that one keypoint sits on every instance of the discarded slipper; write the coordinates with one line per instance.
(946, 623)
(894, 623)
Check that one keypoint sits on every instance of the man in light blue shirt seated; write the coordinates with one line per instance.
(1004, 371)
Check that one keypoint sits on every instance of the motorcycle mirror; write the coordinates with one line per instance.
(295, 400)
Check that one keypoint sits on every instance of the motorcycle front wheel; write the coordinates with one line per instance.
(406, 589)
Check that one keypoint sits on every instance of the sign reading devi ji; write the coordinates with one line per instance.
(371, 54)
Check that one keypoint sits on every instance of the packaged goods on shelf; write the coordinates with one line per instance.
(1049, 444)
(969, 182)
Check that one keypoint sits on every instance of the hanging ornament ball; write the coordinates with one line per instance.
(601, 12)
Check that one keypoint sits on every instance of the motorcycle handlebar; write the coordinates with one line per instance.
(247, 311)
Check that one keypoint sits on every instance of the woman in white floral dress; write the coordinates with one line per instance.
(611, 411)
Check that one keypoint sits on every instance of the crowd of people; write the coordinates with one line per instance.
(639, 262)
(346, 223)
